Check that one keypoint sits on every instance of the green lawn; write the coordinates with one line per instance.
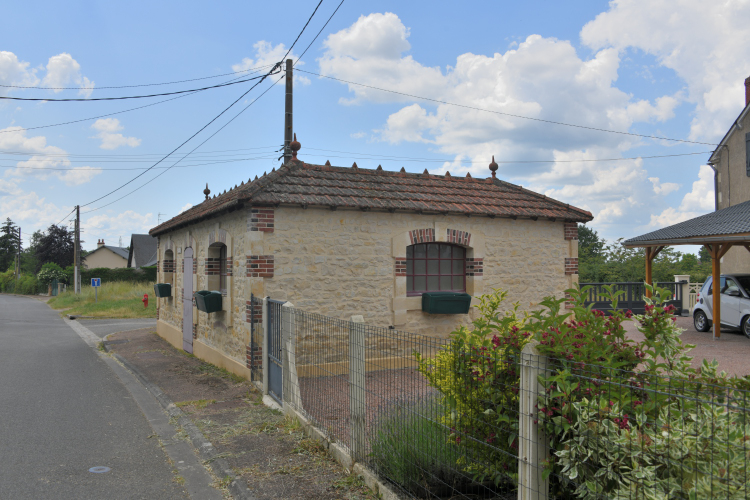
(116, 300)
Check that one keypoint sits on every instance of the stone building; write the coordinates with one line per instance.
(344, 241)
(731, 164)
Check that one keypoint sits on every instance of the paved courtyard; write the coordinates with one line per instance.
(731, 350)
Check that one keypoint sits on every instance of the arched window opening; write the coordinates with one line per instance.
(216, 267)
(168, 267)
(435, 267)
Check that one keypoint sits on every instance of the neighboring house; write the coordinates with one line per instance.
(107, 256)
(142, 251)
(731, 164)
(350, 241)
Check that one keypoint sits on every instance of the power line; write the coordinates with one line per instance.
(126, 155)
(74, 209)
(277, 65)
(466, 106)
(142, 168)
(319, 32)
(142, 84)
(178, 161)
(110, 114)
(132, 96)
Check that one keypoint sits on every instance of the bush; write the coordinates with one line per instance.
(25, 285)
(107, 275)
(412, 449)
(478, 381)
(49, 272)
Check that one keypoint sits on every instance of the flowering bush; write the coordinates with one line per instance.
(642, 423)
(51, 271)
(477, 377)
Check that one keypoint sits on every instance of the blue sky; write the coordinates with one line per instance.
(669, 69)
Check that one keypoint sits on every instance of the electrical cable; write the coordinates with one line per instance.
(142, 168)
(466, 106)
(277, 65)
(143, 84)
(111, 114)
(124, 155)
(74, 209)
(132, 96)
(199, 145)
(319, 32)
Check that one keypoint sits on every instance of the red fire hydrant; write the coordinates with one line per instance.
(145, 300)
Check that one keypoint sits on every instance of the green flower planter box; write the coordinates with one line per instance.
(163, 290)
(446, 302)
(208, 302)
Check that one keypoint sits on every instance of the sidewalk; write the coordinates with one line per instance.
(264, 449)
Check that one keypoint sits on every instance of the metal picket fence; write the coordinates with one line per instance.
(479, 423)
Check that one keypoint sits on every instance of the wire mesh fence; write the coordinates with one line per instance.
(439, 418)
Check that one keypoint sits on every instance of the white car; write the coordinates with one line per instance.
(735, 303)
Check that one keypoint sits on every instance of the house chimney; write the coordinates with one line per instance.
(99, 243)
(747, 91)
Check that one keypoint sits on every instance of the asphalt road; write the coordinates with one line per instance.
(64, 411)
(103, 327)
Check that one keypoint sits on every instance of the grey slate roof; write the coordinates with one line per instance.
(727, 224)
(142, 250)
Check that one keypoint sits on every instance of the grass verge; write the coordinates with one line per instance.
(115, 300)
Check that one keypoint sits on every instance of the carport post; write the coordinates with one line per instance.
(717, 251)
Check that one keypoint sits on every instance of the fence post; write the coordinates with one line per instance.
(290, 392)
(357, 398)
(265, 351)
(533, 445)
(682, 282)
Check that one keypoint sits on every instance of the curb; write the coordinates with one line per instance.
(206, 450)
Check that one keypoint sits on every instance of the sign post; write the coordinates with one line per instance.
(96, 283)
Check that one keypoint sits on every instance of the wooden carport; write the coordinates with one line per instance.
(718, 232)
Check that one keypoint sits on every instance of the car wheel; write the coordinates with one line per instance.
(746, 326)
(701, 321)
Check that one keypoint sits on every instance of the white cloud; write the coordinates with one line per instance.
(15, 72)
(108, 128)
(265, 54)
(185, 207)
(41, 158)
(699, 201)
(663, 188)
(540, 78)
(62, 70)
(358, 135)
(701, 197)
(701, 41)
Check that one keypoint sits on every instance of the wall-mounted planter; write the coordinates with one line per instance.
(207, 301)
(446, 302)
(163, 290)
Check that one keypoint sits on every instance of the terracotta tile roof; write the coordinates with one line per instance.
(302, 184)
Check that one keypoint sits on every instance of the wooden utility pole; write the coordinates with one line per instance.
(288, 114)
(18, 256)
(76, 253)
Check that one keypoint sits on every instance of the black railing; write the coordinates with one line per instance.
(632, 296)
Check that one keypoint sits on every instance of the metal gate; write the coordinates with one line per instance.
(54, 286)
(275, 350)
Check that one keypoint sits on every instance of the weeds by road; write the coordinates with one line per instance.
(115, 300)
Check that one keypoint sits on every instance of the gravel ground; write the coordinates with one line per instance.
(730, 350)
(265, 449)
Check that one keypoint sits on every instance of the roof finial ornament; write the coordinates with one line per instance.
(493, 166)
(207, 191)
(468, 175)
(380, 168)
(328, 163)
(354, 165)
(295, 146)
(447, 174)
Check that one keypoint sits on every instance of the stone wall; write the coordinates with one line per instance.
(344, 262)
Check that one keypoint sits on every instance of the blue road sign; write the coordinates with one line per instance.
(95, 282)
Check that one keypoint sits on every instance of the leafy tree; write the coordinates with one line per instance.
(591, 261)
(56, 245)
(9, 243)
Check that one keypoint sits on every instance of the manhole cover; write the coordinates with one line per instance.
(99, 469)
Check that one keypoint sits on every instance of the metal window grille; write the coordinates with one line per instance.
(433, 267)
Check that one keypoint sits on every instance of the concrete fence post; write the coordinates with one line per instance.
(533, 445)
(265, 351)
(682, 282)
(357, 395)
(290, 383)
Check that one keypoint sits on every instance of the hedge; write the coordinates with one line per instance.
(26, 284)
(128, 274)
